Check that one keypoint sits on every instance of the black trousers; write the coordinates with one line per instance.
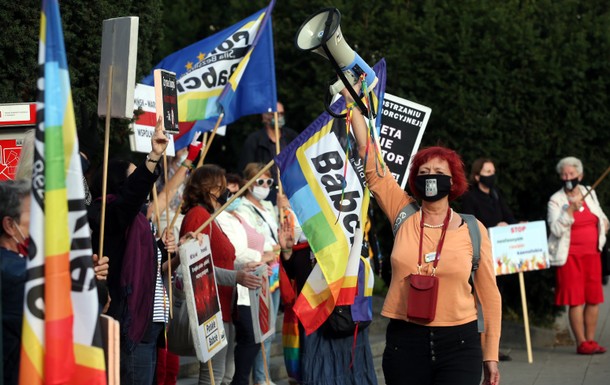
(245, 347)
(421, 355)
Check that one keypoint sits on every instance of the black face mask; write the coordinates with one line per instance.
(487, 180)
(570, 184)
(224, 197)
(432, 187)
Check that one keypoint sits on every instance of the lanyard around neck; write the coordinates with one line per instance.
(440, 242)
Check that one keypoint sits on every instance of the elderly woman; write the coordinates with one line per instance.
(442, 346)
(578, 232)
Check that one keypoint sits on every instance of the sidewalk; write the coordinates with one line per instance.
(558, 365)
(561, 364)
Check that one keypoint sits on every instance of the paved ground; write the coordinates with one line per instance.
(558, 365)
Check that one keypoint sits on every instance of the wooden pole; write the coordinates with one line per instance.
(526, 322)
(105, 164)
(597, 182)
(156, 206)
(169, 254)
(235, 196)
(211, 370)
(277, 151)
(207, 145)
(265, 367)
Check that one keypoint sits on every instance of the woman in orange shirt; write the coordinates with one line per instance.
(434, 344)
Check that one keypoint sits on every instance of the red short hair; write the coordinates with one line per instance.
(456, 166)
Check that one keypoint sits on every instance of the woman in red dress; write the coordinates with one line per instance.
(578, 228)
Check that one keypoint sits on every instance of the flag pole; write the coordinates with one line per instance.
(169, 253)
(597, 182)
(235, 196)
(105, 164)
(204, 152)
(207, 147)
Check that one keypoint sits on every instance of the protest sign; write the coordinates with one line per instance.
(263, 319)
(166, 97)
(203, 306)
(10, 150)
(143, 127)
(402, 126)
(520, 247)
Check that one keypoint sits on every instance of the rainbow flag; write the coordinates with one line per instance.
(230, 72)
(327, 193)
(61, 343)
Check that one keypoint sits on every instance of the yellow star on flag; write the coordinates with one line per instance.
(201, 56)
(189, 66)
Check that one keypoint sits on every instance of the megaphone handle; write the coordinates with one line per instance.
(346, 82)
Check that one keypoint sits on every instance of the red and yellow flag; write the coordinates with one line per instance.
(61, 341)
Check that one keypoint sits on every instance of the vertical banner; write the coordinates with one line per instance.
(263, 321)
(166, 98)
(202, 303)
(61, 338)
(402, 126)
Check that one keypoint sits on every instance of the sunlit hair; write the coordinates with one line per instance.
(456, 166)
(252, 169)
(569, 161)
(476, 168)
(199, 185)
(250, 172)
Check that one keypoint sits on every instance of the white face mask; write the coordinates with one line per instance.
(260, 192)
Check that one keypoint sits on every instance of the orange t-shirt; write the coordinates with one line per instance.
(456, 304)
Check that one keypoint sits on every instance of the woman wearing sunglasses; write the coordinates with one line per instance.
(262, 215)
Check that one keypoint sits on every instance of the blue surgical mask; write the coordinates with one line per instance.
(234, 205)
(280, 122)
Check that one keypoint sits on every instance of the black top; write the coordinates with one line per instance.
(121, 211)
(258, 147)
(490, 209)
(299, 266)
(14, 276)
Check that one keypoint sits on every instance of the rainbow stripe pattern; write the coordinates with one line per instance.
(61, 342)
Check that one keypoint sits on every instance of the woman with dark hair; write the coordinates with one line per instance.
(134, 279)
(202, 196)
(440, 345)
(483, 200)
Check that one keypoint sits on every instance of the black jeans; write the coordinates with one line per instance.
(245, 347)
(422, 355)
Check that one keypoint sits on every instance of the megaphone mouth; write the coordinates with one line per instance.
(310, 35)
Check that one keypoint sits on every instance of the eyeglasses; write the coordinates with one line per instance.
(268, 181)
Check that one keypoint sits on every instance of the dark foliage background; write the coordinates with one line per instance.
(523, 82)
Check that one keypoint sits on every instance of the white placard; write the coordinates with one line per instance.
(263, 321)
(520, 247)
(203, 305)
(143, 127)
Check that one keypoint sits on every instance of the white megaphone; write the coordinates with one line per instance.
(321, 33)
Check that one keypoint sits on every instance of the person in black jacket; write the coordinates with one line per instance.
(484, 201)
(135, 257)
(260, 146)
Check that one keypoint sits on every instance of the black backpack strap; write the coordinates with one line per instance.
(403, 214)
(475, 239)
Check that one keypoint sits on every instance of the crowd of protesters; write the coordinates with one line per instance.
(259, 228)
